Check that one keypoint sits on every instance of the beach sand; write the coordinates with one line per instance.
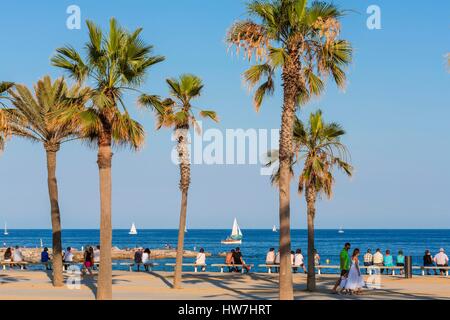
(157, 285)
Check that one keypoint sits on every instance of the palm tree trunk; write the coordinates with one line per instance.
(104, 286)
(290, 84)
(311, 200)
(185, 178)
(58, 279)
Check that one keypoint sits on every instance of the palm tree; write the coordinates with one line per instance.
(178, 112)
(4, 132)
(303, 42)
(114, 63)
(36, 117)
(320, 146)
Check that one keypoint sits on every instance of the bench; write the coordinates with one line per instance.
(222, 266)
(196, 266)
(369, 269)
(276, 266)
(130, 265)
(21, 264)
(422, 269)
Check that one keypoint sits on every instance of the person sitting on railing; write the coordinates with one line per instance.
(270, 257)
(18, 256)
(45, 258)
(68, 257)
(428, 261)
(239, 260)
(316, 258)
(388, 260)
(229, 260)
(201, 259)
(299, 261)
(441, 260)
(368, 260)
(146, 258)
(277, 260)
(138, 258)
(400, 260)
(378, 260)
(7, 257)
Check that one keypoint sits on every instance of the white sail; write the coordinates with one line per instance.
(6, 230)
(236, 232)
(133, 229)
(274, 229)
(185, 229)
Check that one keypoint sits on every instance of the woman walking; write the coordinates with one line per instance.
(354, 281)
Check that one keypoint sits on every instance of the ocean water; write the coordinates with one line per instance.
(255, 243)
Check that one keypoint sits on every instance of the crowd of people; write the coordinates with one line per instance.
(349, 281)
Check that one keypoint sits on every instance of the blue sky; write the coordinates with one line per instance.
(395, 110)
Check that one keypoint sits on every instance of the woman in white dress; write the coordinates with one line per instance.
(354, 282)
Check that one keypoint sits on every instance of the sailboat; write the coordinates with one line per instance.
(6, 231)
(133, 230)
(274, 229)
(185, 229)
(341, 230)
(236, 235)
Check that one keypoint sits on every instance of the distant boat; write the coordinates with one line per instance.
(236, 235)
(341, 230)
(185, 229)
(274, 229)
(6, 231)
(133, 230)
(42, 244)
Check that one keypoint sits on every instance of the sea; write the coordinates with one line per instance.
(255, 243)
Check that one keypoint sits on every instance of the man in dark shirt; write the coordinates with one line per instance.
(45, 258)
(238, 260)
(138, 258)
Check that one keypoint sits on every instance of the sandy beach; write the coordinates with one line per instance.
(210, 286)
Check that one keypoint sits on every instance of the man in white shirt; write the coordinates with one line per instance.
(441, 260)
(299, 261)
(68, 257)
(378, 259)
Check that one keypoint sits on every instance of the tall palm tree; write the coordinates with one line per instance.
(36, 117)
(4, 87)
(301, 41)
(114, 63)
(319, 144)
(177, 111)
